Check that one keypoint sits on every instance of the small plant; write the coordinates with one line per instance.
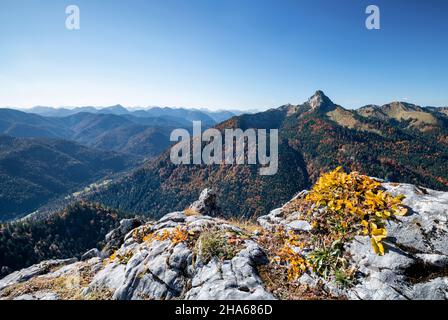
(141, 233)
(177, 235)
(344, 278)
(289, 256)
(354, 203)
(249, 226)
(338, 207)
(113, 256)
(216, 243)
(326, 261)
(123, 259)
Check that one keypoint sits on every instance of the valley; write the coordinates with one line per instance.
(47, 155)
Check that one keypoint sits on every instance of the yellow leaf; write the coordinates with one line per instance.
(378, 247)
(379, 234)
(401, 212)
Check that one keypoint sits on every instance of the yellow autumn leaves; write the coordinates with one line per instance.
(176, 235)
(357, 199)
(288, 255)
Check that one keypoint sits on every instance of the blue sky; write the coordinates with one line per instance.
(222, 53)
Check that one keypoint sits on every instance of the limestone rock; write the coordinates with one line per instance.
(116, 237)
(92, 253)
(206, 204)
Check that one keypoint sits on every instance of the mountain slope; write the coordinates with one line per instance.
(417, 117)
(65, 234)
(20, 124)
(145, 137)
(315, 136)
(142, 133)
(36, 170)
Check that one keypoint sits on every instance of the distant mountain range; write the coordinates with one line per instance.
(140, 133)
(206, 116)
(398, 142)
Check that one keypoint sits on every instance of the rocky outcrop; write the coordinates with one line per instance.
(167, 269)
(114, 239)
(206, 204)
(33, 271)
(92, 253)
(415, 265)
(167, 259)
(192, 255)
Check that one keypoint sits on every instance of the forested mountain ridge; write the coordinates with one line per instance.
(145, 137)
(65, 234)
(52, 155)
(315, 136)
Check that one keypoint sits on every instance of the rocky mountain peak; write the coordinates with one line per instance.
(319, 101)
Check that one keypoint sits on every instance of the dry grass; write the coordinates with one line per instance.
(67, 287)
(276, 282)
(191, 212)
(247, 225)
(347, 119)
(219, 243)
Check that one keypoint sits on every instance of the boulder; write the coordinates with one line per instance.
(92, 253)
(206, 204)
(115, 238)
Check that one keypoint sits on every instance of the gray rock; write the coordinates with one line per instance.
(40, 295)
(298, 225)
(115, 238)
(92, 253)
(206, 204)
(33, 271)
(161, 270)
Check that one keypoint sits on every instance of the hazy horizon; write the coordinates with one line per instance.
(211, 109)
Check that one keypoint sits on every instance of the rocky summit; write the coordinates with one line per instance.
(195, 254)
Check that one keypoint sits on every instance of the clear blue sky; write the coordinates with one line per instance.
(222, 53)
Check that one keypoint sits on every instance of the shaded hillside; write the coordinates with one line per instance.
(36, 170)
(62, 235)
(314, 137)
(146, 137)
(20, 124)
